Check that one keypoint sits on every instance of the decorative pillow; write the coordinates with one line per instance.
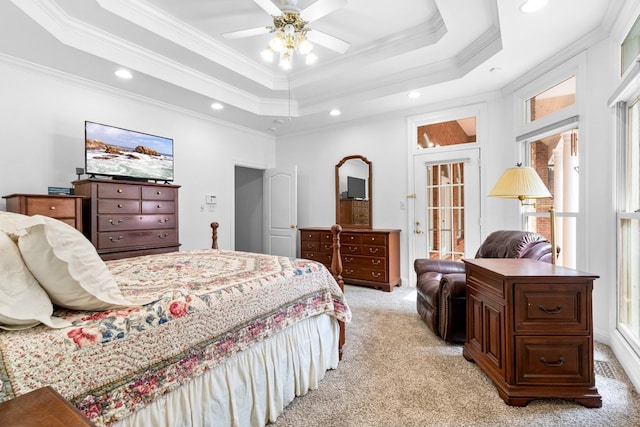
(68, 267)
(9, 223)
(23, 303)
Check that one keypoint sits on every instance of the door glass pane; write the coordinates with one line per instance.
(555, 158)
(445, 210)
(551, 100)
(454, 132)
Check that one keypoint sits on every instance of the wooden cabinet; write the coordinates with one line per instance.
(369, 257)
(354, 212)
(529, 327)
(64, 208)
(124, 219)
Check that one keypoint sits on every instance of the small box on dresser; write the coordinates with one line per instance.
(124, 219)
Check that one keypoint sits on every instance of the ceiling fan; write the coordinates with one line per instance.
(290, 20)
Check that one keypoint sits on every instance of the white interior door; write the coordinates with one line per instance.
(280, 211)
(446, 220)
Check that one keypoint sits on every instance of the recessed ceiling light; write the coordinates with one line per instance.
(335, 112)
(217, 106)
(413, 94)
(495, 69)
(529, 6)
(278, 121)
(124, 74)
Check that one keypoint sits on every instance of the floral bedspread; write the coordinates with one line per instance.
(209, 305)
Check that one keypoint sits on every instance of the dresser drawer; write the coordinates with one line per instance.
(350, 239)
(374, 250)
(326, 247)
(156, 193)
(125, 239)
(365, 274)
(133, 222)
(52, 207)
(322, 257)
(310, 246)
(309, 236)
(118, 206)
(375, 263)
(350, 250)
(553, 360)
(118, 191)
(374, 239)
(158, 207)
(550, 309)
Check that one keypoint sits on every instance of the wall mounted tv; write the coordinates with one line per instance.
(126, 154)
(356, 188)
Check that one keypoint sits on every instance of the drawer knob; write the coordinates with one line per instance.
(119, 190)
(112, 222)
(158, 206)
(374, 274)
(119, 205)
(353, 248)
(373, 250)
(375, 261)
(162, 221)
(557, 364)
(349, 271)
(159, 193)
(117, 239)
(348, 260)
(556, 310)
(53, 208)
(163, 236)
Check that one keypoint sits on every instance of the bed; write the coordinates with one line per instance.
(204, 337)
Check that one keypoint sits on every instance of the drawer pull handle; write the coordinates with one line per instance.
(309, 245)
(557, 310)
(158, 206)
(348, 271)
(376, 275)
(119, 190)
(112, 222)
(163, 236)
(373, 250)
(327, 246)
(557, 364)
(373, 239)
(53, 208)
(375, 261)
(163, 220)
(119, 205)
(353, 248)
(159, 193)
(117, 239)
(348, 260)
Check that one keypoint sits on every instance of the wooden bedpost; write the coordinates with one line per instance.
(214, 235)
(336, 270)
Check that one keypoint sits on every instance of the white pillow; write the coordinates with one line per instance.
(68, 267)
(9, 223)
(23, 303)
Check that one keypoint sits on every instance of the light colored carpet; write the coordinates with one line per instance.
(395, 372)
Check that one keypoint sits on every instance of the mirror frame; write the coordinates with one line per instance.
(369, 192)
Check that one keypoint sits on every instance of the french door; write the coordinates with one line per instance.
(446, 220)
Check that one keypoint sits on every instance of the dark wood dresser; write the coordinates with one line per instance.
(530, 329)
(124, 219)
(370, 257)
(64, 208)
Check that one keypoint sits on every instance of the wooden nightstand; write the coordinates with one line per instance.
(65, 208)
(41, 407)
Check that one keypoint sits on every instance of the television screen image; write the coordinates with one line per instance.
(356, 188)
(122, 153)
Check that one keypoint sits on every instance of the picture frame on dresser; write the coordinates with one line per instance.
(129, 218)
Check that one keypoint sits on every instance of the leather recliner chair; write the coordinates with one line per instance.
(441, 285)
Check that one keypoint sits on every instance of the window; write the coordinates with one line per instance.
(630, 47)
(551, 100)
(454, 132)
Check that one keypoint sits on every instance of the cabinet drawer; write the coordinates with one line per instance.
(321, 257)
(158, 193)
(375, 263)
(118, 191)
(158, 207)
(374, 239)
(550, 309)
(326, 247)
(374, 250)
(553, 360)
(367, 274)
(125, 239)
(350, 239)
(51, 207)
(326, 237)
(350, 250)
(133, 222)
(115, 206)
(310, 246)
(309, 236)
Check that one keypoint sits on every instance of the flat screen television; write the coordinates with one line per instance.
(126, 154)
(356, 188)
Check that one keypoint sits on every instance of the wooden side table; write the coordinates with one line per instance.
(530, 329)
(41, 407)
(65, 208)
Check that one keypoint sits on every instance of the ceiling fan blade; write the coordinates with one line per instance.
(321, 8)
(330, 42)
(269, 7)
(246, 33)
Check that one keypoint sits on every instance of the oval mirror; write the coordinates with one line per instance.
(354, 192)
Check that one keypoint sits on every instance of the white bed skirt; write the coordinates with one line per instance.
(253, 387)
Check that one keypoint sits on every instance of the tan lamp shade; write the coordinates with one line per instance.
(521, 182)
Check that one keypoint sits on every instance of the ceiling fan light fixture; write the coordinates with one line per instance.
(285, 60)
(311, 58)
(267, 54)
(277, 44)
(304, 46)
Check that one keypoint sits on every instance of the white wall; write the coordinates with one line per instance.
(42, 140)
